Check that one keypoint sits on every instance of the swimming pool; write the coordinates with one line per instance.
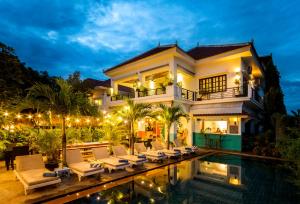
(219, 178)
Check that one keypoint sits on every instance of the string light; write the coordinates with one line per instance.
(29, 116)
(39, 115)
(88, 120)
(6, 114)
(77, 120)
(18, 116)
(67, 119)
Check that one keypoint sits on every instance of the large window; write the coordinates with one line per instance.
(213, 84)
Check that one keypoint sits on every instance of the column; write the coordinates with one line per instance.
(114, 87)
(191, 130)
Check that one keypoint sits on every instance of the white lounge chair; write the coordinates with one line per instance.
(79, 166)
(111, 163)
(156, 145)
(186, 149)
(150, 154)
(121, 153)
(30, 171)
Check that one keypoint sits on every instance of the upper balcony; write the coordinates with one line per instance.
(175, 92)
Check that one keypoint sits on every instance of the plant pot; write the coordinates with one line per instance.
(51, 165)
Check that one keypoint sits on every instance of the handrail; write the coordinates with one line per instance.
(187, 94)
(151, 92)
(121, 96)
(232, 92)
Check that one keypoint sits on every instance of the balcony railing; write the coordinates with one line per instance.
(122, 96)
(151, 92)
(232, 92)
(187, 94)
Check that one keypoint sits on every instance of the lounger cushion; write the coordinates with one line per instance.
(35, 176)
(113, 161)
(29, 162)
(132, 158)
(83, 167)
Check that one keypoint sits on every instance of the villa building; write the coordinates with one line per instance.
(220, 86)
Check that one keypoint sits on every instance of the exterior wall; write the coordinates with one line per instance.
(215, 68)
(227, 142)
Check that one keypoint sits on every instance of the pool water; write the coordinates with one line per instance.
(213, 179)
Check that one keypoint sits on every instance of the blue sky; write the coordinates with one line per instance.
(89, 36)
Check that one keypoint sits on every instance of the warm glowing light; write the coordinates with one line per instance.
(67, 118)
(238, 69)
(159, 117)
(77, 194)
(77, 120)
(39, 115)
(120, 118)
(126, 107)
(29, 116)
(97, 119)
(18, 116)
(179, 77)
(234, 181)
(142, 182)
(6, 114)
(88, 120)
(152, 200)
(88, 195)
(150, 185)
(139, 84)
(125, 121)
(111, 91)
(151, 84)
(159, 189)
(104, 112)
(98, 198)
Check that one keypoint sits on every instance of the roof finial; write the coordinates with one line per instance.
(252, 40)
(158, 44)
(197, 44)
(176, 43)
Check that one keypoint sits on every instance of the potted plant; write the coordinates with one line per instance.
(49, 144)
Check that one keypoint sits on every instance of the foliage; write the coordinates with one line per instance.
(15, 77)
(49, 143)
(169, 115)
(132, 112)
(64, 100)
(114, 129)
(273, 99)
(86, 134)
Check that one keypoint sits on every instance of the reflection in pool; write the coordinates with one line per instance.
(213, 179)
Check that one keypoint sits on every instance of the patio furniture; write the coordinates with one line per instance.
(79, 166)
(30, 170)
(121, 153)
(150, 154)
(156, 145)
(184, 149)
(111, 163)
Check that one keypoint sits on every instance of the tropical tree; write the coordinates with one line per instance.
(170, 115)
(132, 112)
(296, 116)
(62, 100)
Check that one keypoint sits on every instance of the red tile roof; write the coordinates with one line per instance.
(197, 53)
(201, 52)
(144, 55)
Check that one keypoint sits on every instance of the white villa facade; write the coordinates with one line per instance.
(220, 86)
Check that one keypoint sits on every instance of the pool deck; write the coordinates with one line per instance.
(12, 190)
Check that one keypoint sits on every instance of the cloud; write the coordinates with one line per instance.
(127, 26)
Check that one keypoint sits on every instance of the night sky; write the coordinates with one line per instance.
(89, 36)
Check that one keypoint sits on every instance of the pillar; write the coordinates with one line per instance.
(191, 130)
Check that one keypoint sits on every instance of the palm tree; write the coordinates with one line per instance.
(132, 112)
(296, 115)
(169, 115)
(61, 100)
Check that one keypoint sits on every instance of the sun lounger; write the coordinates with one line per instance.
(153, 155)
(187, 149)
(30, 170)
(111, 163)
(79, 166)
(121, 153)
(156, 145)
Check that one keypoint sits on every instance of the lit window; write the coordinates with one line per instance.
(98, 102)
(215, 126)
